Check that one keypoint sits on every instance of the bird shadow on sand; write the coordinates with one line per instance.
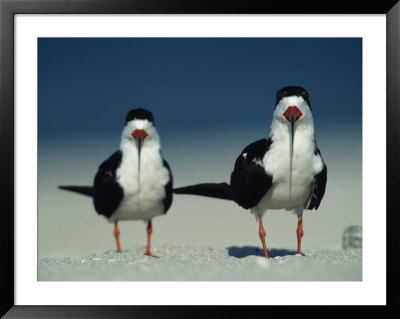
(245, 251)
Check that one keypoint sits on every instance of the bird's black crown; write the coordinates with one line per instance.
(292, 91)
(139, 114)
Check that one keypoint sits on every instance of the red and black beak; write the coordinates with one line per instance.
(292, 114)
(139, 135)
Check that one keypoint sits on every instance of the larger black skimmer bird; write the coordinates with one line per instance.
(284, 171)
(135, 182)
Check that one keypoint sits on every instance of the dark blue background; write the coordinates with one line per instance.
(86, 86)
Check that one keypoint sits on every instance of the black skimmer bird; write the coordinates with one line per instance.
(284, 171)
(135, 182)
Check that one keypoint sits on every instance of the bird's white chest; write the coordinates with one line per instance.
(143, 184)
(289, 192)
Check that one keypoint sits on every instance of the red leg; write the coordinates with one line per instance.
(262, 234)
(116, 235)
(299, 234)
(149, 231)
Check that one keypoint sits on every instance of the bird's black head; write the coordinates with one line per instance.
(139, 114)
(292, 91)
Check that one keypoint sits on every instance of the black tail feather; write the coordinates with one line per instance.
(84, 190)
(216, 190)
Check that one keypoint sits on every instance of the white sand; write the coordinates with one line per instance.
(190, 263)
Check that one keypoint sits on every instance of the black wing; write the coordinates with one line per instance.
(215, 190)
(319, 185)
(107, 193)
(84, 190)
(168, 189)
(249, 181)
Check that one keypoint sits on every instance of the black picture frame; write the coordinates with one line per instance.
(8, 10)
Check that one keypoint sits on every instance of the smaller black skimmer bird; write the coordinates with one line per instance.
(135, 182)
(284, 171)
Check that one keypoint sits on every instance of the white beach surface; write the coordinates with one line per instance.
(189, 263)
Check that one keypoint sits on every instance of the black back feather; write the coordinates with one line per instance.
(107, 193)
(319, 185)
(168, 189)
(249, 180)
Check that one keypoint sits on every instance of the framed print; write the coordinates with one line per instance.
(212, 78)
